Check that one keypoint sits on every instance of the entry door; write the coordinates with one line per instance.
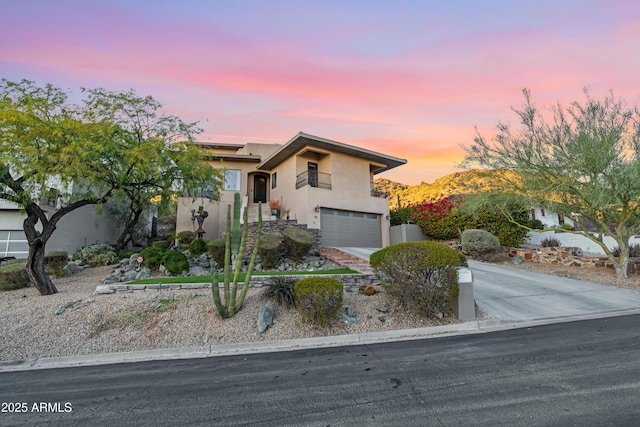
(312, 170)
(259, 188)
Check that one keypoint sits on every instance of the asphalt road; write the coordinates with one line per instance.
(580, 373)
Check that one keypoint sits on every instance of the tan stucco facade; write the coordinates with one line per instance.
(343, 181)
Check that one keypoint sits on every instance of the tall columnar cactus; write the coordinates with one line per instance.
(234, 249)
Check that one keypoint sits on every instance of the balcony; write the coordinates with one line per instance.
(314, 179)
(377, 193)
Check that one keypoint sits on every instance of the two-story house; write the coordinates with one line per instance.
(325, 184)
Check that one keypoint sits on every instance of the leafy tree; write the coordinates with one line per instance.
(155, 152)
(47, 141)
(580, 161)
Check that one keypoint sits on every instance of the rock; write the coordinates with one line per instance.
(128, 276)
(382, 308)
(265, 317)
(111, 278)
(197, 271)
(104, 289)
(72, 268)
(369, 290)
(516, 260)
(205, 336)
(60, 310)
(144, 273)
(162, 269)
(350, 311)
(382, 317)
(350, 320)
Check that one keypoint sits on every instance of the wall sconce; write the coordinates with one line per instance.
(388, 216)
(317, 208)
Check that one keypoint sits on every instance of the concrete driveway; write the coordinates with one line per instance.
(513, 294)
(507, 293)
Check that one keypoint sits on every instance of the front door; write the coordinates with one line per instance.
(259, 189)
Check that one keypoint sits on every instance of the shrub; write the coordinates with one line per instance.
(536, 224)
(54, 261)
(480, 244)
(153, 256)
(318, 299)
(269, 250)
(14, 261)
(281, 289)
(13, 276)
(97, 255)
(175, 262)
(634, 251)
(439, 219)
(421, 276)
(187, 236)
(500, 225)
(198, 247)
(550, 242)
(127, 253)
(216, 248)
(401, 216)
(298, 242)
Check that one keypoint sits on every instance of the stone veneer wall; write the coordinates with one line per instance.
(278, 227)
(571, 257)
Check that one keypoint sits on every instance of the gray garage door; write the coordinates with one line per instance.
(350, 229)
(13, 243)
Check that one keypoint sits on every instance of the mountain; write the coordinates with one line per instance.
(467, 182)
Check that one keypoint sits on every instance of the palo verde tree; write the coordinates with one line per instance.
(46, 141)
(157, 156)
(581, 161)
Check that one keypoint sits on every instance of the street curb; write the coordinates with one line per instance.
(467, 328)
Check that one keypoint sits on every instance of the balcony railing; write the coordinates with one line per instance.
(377, 193)
(314, 179)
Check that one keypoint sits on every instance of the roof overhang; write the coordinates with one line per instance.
(302, 140)
(248, 158)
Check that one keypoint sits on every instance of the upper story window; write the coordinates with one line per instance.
(232, 179)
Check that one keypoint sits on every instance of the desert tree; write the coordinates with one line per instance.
(45, 139)
(579, 160)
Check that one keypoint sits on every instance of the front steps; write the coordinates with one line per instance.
(347, 260)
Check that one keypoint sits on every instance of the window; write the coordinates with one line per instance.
(232, 179)
(206, 190)
(274, 180)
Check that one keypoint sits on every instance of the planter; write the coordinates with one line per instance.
(275, 212)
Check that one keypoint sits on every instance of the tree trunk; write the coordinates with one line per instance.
(125, 237)
(35, 269)
(621, 264)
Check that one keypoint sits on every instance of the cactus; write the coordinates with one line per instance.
(234, 250)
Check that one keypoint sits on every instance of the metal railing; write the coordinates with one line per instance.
(377, 193)
(314, 179)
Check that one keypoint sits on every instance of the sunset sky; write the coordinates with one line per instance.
(406, 78)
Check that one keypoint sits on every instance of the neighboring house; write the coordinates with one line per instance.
(324, 184)
(550, 219)
(78, 228)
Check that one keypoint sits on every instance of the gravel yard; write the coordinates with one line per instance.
(95, 324)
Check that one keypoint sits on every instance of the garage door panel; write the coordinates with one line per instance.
(348, 228)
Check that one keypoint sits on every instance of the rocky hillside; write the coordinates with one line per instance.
(466, 182)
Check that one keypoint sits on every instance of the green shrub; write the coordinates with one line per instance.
(153, 256)
(508, 233)
(269, 250)
(281, 288)
(216, 248)
(421, 276)
(97, 255)
(54, 261)
(127, 253)
(298, 242)
(175, 262)
(163, 243)
(550, 242)
(198, 247)
(480, 244)
(536, 224)
(634, 251)
(401, 216)
(318, 299)
(13, 276)
(187, 236)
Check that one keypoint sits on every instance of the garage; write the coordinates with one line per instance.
(350, 229)
(13, 243)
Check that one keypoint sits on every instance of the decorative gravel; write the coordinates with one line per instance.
(96, 324)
